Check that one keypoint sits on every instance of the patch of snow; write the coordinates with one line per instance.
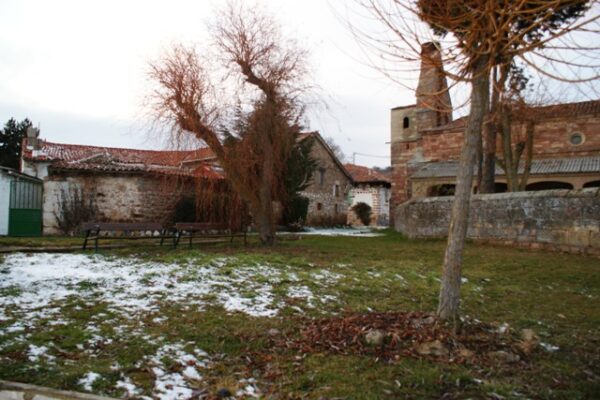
(172, 387)
(191, 373)
(88, 380)
(340, 232)
(36, 352)
(549, 347)
(129, 387)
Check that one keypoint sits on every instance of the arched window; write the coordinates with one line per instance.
(405, 123)
(548, 185)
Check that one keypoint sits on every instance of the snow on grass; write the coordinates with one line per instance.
(88, 380)
(174, 385)
(110, 294)
(365, 232)
(36, 352)
(131, 287)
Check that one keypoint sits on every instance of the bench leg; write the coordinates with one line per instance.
(162, 236)
(87, 234)
(96, 241)
(191, 235)
(176, 237)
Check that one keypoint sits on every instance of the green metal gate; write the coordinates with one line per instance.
(25, 210)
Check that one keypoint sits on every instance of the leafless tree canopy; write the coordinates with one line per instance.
(244, 100)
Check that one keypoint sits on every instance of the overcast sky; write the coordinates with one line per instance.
(78, 69)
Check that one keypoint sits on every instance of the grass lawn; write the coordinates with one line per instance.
(158, 322)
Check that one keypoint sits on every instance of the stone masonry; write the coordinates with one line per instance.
(563, 220)
(119, 198)
(329, 187)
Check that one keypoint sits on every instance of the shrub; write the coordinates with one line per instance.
(363, 212)
(294, 215)
(74, 208)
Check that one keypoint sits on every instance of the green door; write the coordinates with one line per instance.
(25, 211)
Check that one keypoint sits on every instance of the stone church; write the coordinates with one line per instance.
(426, 141)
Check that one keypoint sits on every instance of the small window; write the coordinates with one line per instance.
(335, 208)
(336, 190)
(319, 206)
(576, 139)
(406, 123)
(321, 176)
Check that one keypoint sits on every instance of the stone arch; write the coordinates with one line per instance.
(445, 189)
(548, 185)
(592, 184)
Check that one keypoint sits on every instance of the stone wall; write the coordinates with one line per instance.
(119, 197)
(325, 202)
(562, 220)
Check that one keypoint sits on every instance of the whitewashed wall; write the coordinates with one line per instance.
(4, 202)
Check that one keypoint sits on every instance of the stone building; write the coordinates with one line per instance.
(331, 184)
(130, 185)
(426, 142)
(370, 187)
(126, 185)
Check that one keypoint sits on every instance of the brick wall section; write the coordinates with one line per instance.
(561, 220)
(551, 137)
(323, 193)
(442, 146)
(119, 198)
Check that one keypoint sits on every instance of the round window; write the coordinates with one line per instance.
(576, 138)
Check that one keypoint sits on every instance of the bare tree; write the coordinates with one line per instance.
(480, 37)
(335, 148)
(253, 131)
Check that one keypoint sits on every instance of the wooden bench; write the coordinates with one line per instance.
(206, 230)
(93, 231)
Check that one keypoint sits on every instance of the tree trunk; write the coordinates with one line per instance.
(488, 175)
(265, 223)
(508, 162)
(449, 300)
(488, 180)
(529, 127)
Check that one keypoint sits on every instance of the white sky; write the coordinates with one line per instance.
(78, 69)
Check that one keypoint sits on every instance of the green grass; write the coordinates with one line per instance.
(555, 294)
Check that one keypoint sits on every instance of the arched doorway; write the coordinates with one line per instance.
(548, 185)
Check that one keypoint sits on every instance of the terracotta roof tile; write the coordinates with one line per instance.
(112, 159)
(362, 174)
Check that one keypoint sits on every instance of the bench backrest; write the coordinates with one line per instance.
(122, 226)
(201, 226)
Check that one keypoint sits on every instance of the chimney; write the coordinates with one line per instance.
(33, 140)
(434, 107)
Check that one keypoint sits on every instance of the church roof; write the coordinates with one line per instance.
(548, 166)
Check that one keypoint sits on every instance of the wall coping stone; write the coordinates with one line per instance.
(586, 192)
(24, 391)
